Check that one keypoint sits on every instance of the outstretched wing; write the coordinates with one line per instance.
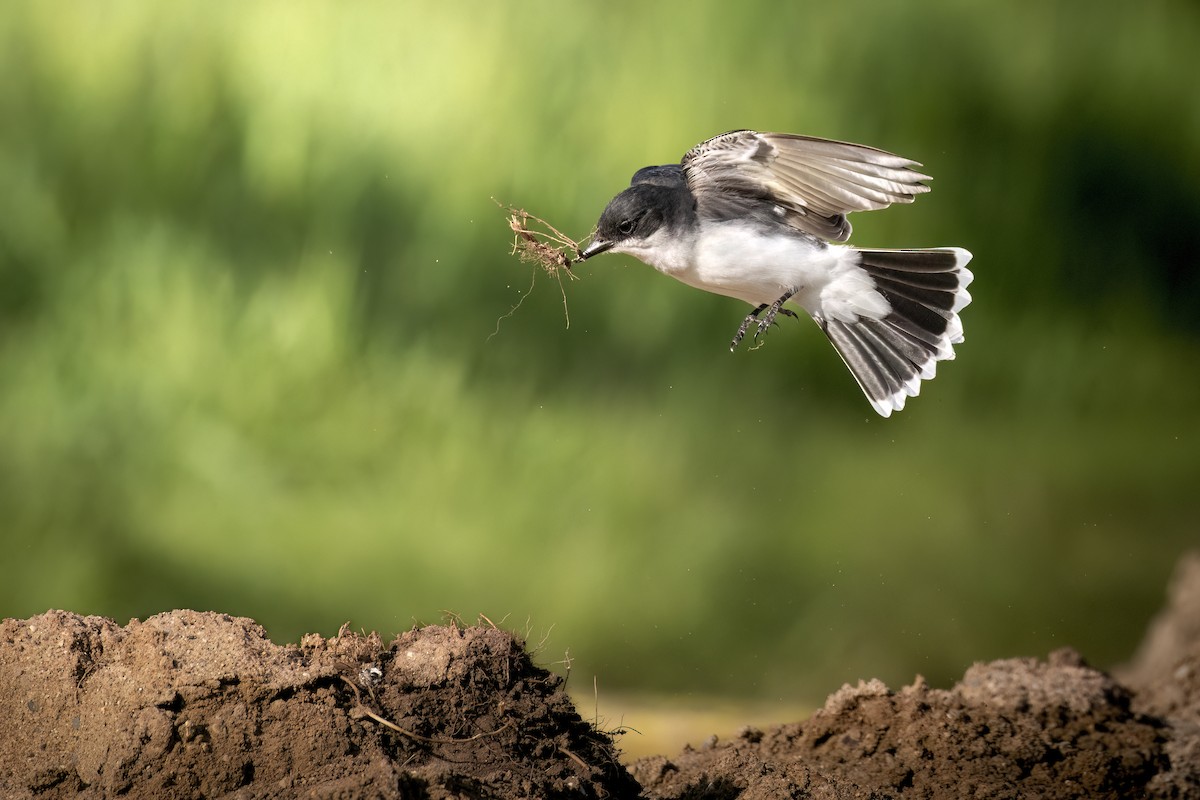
(813, 182)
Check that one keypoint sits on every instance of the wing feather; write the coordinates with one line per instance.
(816, 181)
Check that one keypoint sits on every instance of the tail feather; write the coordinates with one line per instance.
(939, 300)
(925, 280)
(889, 357)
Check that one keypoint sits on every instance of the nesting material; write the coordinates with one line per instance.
(536, 241)
(539, 242)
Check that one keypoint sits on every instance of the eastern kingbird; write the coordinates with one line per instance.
(755, 215)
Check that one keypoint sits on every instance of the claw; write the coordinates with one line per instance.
(774, 310)
(766, 322)
(745, 326)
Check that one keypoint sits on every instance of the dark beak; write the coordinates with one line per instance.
(594, 249)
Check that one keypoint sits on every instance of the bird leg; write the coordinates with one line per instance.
(745, 326)
(773, 310)
(769, 318)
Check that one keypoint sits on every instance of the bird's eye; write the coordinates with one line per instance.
(627, 225)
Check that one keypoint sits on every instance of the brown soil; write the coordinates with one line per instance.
(193, 705)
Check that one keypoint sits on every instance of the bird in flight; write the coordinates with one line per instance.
(761, 217)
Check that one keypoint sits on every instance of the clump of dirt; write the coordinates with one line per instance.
(191, 704)
(1017, 728)
(1010, 729)
(203, 705)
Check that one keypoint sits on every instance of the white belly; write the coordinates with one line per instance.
(737, 260)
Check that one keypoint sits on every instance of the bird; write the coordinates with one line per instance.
(762, 217)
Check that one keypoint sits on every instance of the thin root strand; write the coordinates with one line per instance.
(359, 706)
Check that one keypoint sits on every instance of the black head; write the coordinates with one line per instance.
(638, 213)
(666, 175)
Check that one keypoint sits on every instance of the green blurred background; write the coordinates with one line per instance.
(249, 265)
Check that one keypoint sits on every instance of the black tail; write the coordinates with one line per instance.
(890, 356)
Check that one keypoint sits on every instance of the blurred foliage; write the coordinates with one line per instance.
(250, 263)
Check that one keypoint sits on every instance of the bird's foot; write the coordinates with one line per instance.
(773, 311)
(750, 319)
(766, 321)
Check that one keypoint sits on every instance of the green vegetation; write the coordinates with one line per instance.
(249, 265)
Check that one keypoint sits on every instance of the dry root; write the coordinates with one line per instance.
(543, 244)
(538, 242)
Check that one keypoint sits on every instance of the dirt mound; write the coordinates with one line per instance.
(191, 704)
(1010, 729)
(202, 705)
(1017, 728)
(1165, 678)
